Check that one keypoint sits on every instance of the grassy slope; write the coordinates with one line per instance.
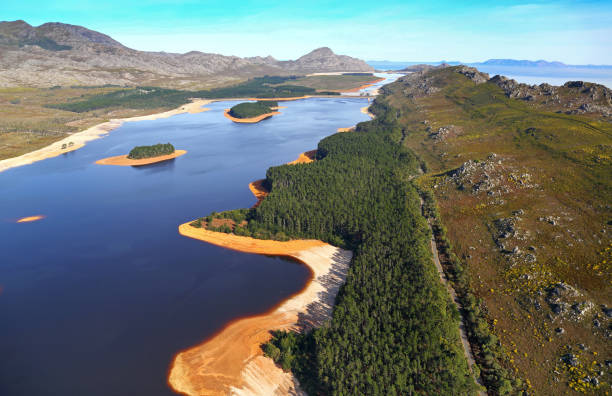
(333, 82)
(561, 168)
(26, 124)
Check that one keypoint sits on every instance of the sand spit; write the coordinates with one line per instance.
(251, 120)
(123, 160)
(364, 86)
(231, 362)
(304, 158)
(78, 140)
(30, 219)
(259, 190)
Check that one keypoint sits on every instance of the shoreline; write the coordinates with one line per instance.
(79, 139)
(231, 361)
(364, 86)
(123, 160)
(251, 120)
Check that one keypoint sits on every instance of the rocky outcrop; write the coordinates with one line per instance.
(473, 74)
(62, 54)
(574, 97)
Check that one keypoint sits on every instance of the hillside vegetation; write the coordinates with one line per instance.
(523, 191)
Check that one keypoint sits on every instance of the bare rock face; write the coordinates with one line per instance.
(62, 54)
(576, 97)
(473, 74)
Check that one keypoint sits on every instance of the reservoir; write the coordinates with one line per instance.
(99, 295)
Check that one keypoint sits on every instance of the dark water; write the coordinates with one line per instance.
(98, 297)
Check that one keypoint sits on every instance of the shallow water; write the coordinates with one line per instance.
(97, 297)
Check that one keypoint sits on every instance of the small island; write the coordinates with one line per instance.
(252, 112)
(144, 155)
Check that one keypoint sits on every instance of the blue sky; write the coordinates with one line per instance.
(574, 32)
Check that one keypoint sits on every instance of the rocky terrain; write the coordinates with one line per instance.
(61, 54)
(573, 97)
(521, 174)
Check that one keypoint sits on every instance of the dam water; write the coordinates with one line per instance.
(98, 296)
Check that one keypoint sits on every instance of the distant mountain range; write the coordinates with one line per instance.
(496, 63)
(61, 54)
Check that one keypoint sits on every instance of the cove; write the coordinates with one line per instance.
(99, 295)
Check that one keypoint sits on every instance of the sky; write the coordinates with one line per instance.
(573, 32)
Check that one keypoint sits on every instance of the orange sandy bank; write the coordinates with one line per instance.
(251, 120)
(349, 129)
(304, 158)
(231, 362)
(30, 219)
(259, 190)
(365, 110)
(123, 160)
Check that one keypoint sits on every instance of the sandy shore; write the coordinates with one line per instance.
(258, 189)
(304, 158)
(349, 129)
(30, 219)
(365, 110)
(123, 160)
(251, 120)
(231, 362)
(79, 139)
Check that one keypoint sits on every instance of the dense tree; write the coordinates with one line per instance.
(155, 150)
(394, 330)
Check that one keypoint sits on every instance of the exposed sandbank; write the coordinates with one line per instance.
(123, 160)
(78, 140)
(231, 362)
(29, 219)
(365, 110)
(304, 158)
(349, 129)
(259, 191)
(251, 120)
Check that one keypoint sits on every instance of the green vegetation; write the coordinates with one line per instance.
(329, 83)
(140, 152)
(394, 330)
(155, 97)
(252, 109)
(550, 177)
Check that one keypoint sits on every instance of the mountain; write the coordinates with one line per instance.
(522, 63)
(62, 54)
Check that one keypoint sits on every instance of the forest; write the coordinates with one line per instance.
(252, 109)
(155, 97)
(394, 330)
(140, 152)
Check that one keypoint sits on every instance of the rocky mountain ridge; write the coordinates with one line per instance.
(61, 54)
(573, 97)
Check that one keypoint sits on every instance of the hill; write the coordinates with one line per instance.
(62, 54)
(521, 175)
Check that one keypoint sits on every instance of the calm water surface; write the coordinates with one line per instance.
(98, 297)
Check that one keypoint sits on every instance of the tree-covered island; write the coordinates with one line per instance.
(156, 150)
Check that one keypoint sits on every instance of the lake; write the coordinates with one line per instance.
(97, 297)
